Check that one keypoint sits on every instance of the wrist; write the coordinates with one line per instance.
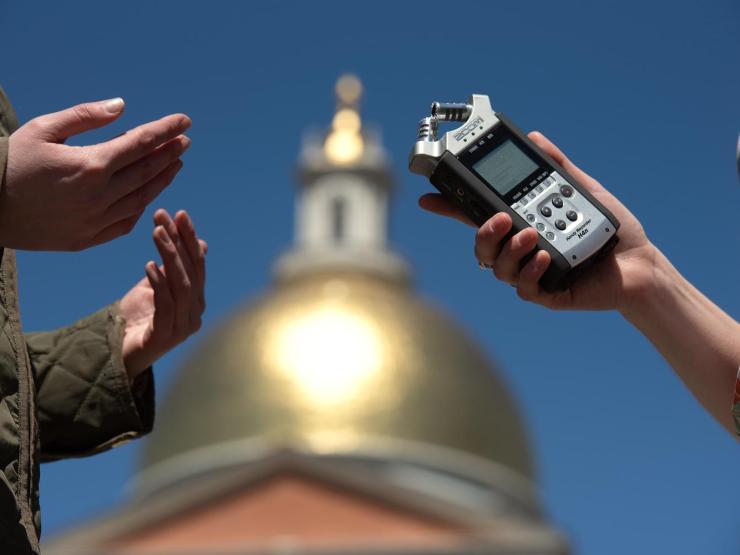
(658, 280)
(135, 360)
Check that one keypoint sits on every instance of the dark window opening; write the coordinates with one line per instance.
(338, 219)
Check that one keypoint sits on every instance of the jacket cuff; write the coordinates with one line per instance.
(136, 399)
(85, 401)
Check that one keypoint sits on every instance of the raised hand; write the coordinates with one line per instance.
(165, 307)
(60, 197)
(611, 283)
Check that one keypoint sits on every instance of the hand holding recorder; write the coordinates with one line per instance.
(488, 166)
(612, 283)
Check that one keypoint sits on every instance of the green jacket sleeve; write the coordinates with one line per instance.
(85, 404)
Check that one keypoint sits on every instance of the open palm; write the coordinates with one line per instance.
(165, 307)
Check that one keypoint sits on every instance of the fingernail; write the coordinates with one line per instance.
(536, 264)
(185, 142)
(539, 262)
(114, 105)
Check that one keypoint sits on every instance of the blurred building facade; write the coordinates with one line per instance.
(337, 414)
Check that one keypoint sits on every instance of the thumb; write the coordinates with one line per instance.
(59, 126)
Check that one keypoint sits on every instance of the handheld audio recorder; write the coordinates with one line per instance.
(487, 165)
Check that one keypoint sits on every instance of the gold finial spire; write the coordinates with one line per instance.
(344, 145)
(349, 90)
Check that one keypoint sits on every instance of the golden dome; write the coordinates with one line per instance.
(335, 362)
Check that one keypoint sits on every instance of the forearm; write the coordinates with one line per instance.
(697, 338)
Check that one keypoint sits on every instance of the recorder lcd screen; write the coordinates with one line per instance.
(505, 167)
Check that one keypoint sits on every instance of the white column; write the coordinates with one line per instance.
(340, 210)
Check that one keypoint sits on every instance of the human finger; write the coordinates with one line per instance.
(556, 154)
(129, 179)
(204, 251)
(113, 231)
(163, 218)
(137, 201)
(59, 126)
(489, 236)
(186, 231)
(435, 202)
(177, 280)
(509, 260)
(188, 235)
(528, 286)
(163, 302)
(142, 141)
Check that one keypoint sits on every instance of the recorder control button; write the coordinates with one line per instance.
(530, 217)
(532, 195)
(540, 226)
(523, 201)
(572, 215)
(560, 224)
(546, 212)
(566, 191)
(557, 202)
(550, 235)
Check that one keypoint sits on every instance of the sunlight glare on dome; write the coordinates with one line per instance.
(330, 354)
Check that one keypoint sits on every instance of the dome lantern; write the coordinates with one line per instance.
(342, 204)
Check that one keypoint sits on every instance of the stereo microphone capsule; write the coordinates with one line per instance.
(451, 111)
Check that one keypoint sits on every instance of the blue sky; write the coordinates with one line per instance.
(644, 95)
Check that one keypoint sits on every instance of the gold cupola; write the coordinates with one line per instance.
(341, 362)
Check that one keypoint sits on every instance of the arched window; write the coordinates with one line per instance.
(338, 219)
